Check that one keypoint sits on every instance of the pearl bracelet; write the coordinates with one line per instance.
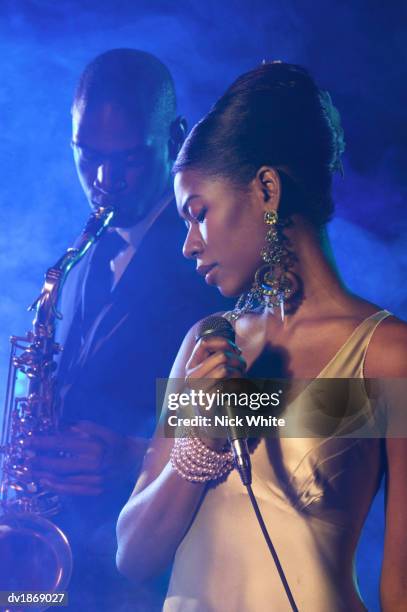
(196, 462)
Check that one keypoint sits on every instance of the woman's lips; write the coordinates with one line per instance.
(210, 276)
(207, 272)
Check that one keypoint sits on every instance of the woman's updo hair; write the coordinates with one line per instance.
(274, 115)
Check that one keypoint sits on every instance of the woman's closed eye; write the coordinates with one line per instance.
(201, 216)
(197, 215)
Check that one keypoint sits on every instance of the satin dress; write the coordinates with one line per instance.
(314, 494)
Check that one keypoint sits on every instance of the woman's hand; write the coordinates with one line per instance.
(213, 359)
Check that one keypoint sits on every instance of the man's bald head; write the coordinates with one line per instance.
(131, 79)
(125, 133)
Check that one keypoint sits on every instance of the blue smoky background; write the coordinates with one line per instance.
(357, 50)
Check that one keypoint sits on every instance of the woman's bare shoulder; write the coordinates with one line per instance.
(387, 353)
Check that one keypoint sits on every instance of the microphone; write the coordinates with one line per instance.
(219, 326)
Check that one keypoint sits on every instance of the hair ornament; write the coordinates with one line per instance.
(334, 120)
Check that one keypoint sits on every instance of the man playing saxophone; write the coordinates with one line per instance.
(120, 304)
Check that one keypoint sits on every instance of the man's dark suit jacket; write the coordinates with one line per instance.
(116, 343)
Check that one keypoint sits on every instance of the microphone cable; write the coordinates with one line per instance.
(272, 550)
(243, 465)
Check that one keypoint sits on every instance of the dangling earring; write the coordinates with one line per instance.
(273, 282)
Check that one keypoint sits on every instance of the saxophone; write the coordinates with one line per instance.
(35, 553)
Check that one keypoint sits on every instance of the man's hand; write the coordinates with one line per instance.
(85, 459)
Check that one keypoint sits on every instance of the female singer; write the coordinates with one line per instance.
(253, 184)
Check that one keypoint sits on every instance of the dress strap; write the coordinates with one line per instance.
(350, 359)
(375, 321)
